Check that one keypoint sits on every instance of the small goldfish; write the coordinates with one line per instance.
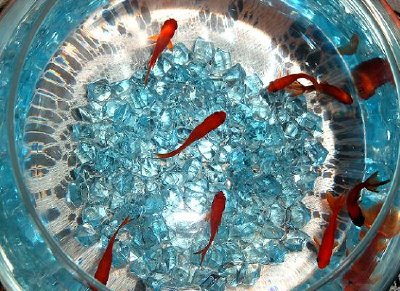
(370, 75)
(163, 40)
(351, 47)
(283, 82)
(328, 239)
(290, 84)
(215, 217)
(353, 208)
(390, 226)
(104, 267)
(209, 124)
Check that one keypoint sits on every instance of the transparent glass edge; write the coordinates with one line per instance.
(368, 7)
(62, 258)
(6, 277)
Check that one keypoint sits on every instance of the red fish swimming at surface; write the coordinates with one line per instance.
(163, 40)
(353, 208)
(370, 75)
(328, 239)
(215, 217)
(104, 267)
(290, 84)
(209, 124)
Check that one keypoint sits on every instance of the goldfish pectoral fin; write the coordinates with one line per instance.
(153, 37)
(170, 45)
(317, 242)
(335, 246)
(208, 216)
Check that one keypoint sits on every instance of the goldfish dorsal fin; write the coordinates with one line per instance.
(335, 246)
(170, 45)
(153, 37)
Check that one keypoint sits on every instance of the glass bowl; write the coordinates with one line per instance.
(60, 61)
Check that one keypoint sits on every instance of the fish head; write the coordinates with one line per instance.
(171, 23)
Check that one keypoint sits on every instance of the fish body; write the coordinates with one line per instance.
(353, 207)
(358, 277)
(285, 81)
(337, 93)
(291, 85)
(209, 124)
(328, 239)
(104, 267)
(217, 208)
(162, 41)
(370, 75)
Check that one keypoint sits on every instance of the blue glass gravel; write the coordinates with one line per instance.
(255, 157)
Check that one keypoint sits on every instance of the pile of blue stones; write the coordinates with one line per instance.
(264, 158)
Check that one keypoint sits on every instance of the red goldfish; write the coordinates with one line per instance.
(209, 124)
(163, 40)
(354, 210)
(359, 275)
(328, 239)
(285, 81)
(104, 267)
(215, 216)
(290, 83)
(370, 75)
(351, 47)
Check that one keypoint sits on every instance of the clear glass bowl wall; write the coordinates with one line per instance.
(30, 258)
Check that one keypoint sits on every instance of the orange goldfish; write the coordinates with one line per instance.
(209, 124)
(390, 226)
(215, 216)
(358, 277)
(354, 210)
(370, 75)
(163, 40)
(328, 239)
(291, 85)
(351, 47)
(283, 82)
(104, 267)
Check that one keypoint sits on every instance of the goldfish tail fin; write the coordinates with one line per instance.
(203, 253)
(372, 183)
(167, 155)
(147, 76)
(335, 203)
(170, 45)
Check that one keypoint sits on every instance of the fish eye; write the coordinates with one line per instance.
(317, 260)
